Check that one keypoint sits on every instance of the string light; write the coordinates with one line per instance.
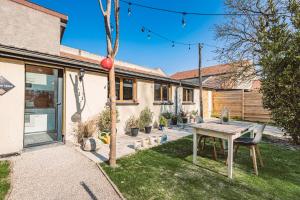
(187, 13)
(173, 42)
(183, 22)
(112, 28)
(129, 8)
(149, 35)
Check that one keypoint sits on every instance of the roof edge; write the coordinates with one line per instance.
(63, 17)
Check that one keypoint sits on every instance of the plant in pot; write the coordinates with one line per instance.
(85, 132)
(193, 115)
(168, 116)
(104, 125)
(174, 119)
(163, 122)
(183, 116)
(145, 121)
(132, 124)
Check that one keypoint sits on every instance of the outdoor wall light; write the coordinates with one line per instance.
(81, 74)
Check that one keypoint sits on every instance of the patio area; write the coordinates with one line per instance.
(125, 143)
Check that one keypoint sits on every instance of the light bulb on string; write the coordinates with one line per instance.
(189, 46)
(148, 35)
(129, 9)
(112, 28)
(183, 21)
(143, 29)
(173, 44)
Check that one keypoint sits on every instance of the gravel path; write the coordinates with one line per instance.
(58, 172)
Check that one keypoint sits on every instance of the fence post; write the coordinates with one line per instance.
(243, 103)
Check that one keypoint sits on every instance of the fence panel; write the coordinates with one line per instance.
(244, 105)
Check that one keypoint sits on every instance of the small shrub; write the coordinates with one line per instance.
(194, 113)
(105, 119)
(85, 129)
(183, 114)
(146, 117)
(167, 115)
(132, 122)
(163, 121)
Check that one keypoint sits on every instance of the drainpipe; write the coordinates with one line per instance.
(177, 98)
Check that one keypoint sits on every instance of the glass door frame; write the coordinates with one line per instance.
(58, 107)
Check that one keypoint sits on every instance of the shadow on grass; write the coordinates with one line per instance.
(167, 172)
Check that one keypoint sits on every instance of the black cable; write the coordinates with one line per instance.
(145, 29)
(183, 12)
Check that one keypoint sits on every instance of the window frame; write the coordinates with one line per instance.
(134, 90)
(169, 92)
(185, 95)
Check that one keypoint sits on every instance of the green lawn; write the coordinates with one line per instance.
(167, 172)
(4, 182)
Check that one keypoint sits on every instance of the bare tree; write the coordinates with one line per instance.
(241, 35)
(112, 45)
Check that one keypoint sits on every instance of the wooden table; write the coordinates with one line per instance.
(227, 132)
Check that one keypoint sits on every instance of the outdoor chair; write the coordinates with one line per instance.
(252, 144)
(214, 152)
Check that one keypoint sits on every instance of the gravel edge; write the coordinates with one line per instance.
(111, 182)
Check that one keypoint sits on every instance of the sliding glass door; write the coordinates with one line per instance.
(43, 105)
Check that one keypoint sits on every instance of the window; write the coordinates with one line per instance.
(188, 95)
(162, 92)
(125, 89)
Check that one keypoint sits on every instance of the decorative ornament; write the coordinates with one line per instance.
(107, 63)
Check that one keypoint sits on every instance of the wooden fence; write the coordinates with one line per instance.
(241, 104)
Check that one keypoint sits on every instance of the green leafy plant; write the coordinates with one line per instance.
(104, 120)
(183, 114)
(167, 115)
(146, 118)
(194, 113)
(163, 121)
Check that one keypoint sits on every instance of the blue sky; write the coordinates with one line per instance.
(85, 31)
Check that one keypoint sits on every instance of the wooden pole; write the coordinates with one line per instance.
(200, 81)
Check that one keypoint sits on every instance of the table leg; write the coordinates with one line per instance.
(230, 157)
(195, 146)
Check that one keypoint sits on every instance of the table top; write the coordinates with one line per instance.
(222, 128)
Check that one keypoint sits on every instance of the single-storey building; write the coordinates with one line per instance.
(47, 88)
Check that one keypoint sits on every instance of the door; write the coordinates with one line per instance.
(43, 105)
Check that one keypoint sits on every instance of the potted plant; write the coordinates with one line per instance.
(183, 116)
(168, 116)
(225, 119)
(85, 132)
(193, 115)
(174, 119)
(145, 121)
(162, 122)
(104, 125)
(132, 124)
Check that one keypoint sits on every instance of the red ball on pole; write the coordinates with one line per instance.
(107, 63)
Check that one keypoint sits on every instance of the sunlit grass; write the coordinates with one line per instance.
(167, 172)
